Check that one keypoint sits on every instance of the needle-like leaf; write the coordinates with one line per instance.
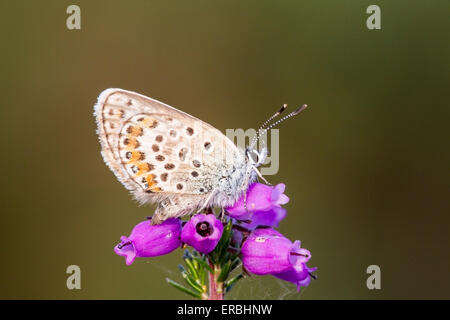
(183, 289)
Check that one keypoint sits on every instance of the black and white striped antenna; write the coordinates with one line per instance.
(263, 129)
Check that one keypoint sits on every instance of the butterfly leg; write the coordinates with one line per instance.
(261, 176)
(222, 214)
(246, 180)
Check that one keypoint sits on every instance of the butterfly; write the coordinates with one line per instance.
(165, 156)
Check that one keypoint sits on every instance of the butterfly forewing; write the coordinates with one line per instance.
(157, 150)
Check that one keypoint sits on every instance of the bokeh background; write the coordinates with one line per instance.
(366, 167)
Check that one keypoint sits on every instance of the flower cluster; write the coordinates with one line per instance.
(266, 251)
(245, 236)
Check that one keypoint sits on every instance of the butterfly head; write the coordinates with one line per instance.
(254, 157)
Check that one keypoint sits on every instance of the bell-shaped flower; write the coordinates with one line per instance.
(148, 240)
(266, 251)
(202, 232)
(260, 198)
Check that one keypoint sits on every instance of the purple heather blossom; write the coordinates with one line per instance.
(266, 251)
(146, 240)
(260, 198)
(202, 232)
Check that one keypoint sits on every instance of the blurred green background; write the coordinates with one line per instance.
(366, 167)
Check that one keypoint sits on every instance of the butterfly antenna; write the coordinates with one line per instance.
(274, 124)
(276, 114)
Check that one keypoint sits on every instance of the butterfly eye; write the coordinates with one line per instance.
(247, 153)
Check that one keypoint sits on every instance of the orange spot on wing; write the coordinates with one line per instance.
(149, 180)
(132, 143)
(143, 168)
(135, 156)
(152, 183)
(150, 122)
(135, 131)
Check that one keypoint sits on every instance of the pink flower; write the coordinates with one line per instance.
(266, 251)
(202, 232)
(146, 240)
(260, 198)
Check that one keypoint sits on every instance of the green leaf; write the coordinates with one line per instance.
(225, 238)
(225, 271)
(234, 280)
(235, 264)
(195, 264)
(230, 283)
(192, 282)
(203, 263)
(191, 268)
(212, 259)
(221, 249)
(224, 258)
(183, 289)
(203, 276)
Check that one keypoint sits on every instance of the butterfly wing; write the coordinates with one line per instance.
(160, 153)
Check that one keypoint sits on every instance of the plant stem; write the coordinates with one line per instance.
(215, 287)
